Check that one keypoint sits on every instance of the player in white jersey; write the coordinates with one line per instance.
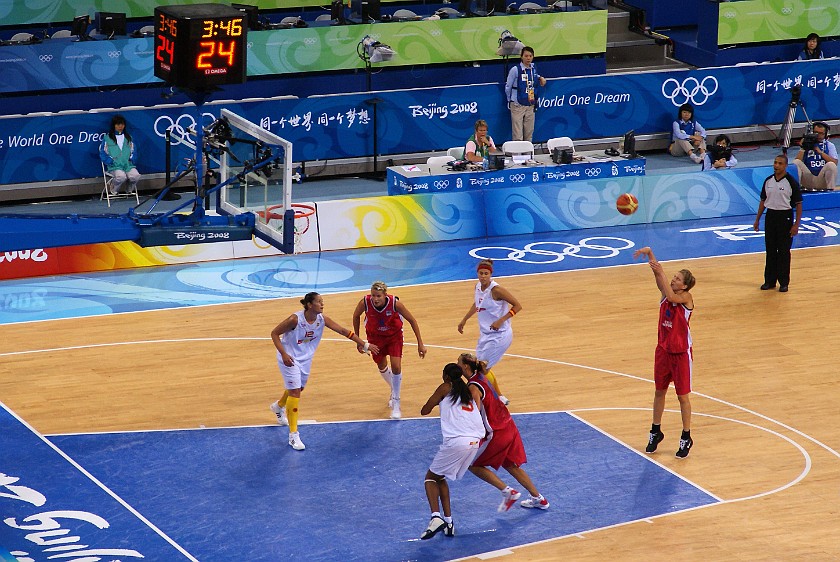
(296, 339)
(463, 428)
(495, 306)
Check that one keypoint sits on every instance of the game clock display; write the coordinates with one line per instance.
(200, 46)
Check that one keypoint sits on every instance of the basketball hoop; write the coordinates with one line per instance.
(273, 217)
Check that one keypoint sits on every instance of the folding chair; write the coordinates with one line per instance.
(457, 152)
(561, 143)
(519, 147)
(108, 180)
(437, 161)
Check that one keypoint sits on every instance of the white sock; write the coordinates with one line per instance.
(396, 383)
(387, 375)
(507, 490)
(436, 514)
(447, 519)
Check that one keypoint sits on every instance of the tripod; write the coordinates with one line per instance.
(787, 127)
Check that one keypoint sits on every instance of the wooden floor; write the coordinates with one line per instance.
(766, 400)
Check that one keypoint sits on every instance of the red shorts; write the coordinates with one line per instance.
(674, 367)
(505, 449)
(388, 345)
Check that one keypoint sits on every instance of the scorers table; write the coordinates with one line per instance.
(421, 178)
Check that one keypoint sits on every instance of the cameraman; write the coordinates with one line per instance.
(817, 160)
(719, 156)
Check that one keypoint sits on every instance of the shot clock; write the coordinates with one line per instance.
(200, 46)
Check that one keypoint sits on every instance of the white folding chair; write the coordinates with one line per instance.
(449, 12)
(561, 143)
(527, 7)
(519, 147)
(292, 21)
(456, 152)
(61, 34)
(404, 14)
(108, 180)
(436, 161)
(323, 17)
(22, 37)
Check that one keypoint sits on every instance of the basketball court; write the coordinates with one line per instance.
(136, 421)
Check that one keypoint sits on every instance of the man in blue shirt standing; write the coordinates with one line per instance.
(521, 92)
(817, 164)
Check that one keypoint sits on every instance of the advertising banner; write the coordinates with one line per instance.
(419, 179)
(402, 219)
(122, 255)
(424, 42)
(21, 12)
(64, 146)
(65, 63)
(759, 21)
(58, 64)
(591, 204)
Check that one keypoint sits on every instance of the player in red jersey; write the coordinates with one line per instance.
(505, 448)
(673, 360)
(384, 315)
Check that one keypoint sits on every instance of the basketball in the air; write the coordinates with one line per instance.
(626, 204)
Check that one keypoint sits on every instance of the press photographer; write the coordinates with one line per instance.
(719, 155)
(817, 160)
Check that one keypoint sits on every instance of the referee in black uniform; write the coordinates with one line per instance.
(779, 194)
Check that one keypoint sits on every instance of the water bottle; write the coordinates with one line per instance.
(485, 164)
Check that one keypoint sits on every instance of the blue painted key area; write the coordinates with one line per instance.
(356, 493)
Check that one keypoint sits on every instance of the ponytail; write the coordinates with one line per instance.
(474, 364)
(460, 391)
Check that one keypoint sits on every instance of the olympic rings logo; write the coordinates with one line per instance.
(594, 247)
(690, 90)
(114, 54)
(441, 184)
(593, 172)
(517, 178)
(177, 128)
(310, 41)
(45, 58)
(729, 15)
(787, 10)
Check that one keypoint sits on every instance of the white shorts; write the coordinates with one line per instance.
(491, 347)
(296, 375)
(455, 456)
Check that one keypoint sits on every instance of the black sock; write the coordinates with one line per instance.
(686, 434)
(654, 428)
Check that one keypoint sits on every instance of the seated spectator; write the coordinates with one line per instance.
(480, 144)
(812, 48)
(719, 156)
(117, 153)
(817, 160)
(688, 136)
